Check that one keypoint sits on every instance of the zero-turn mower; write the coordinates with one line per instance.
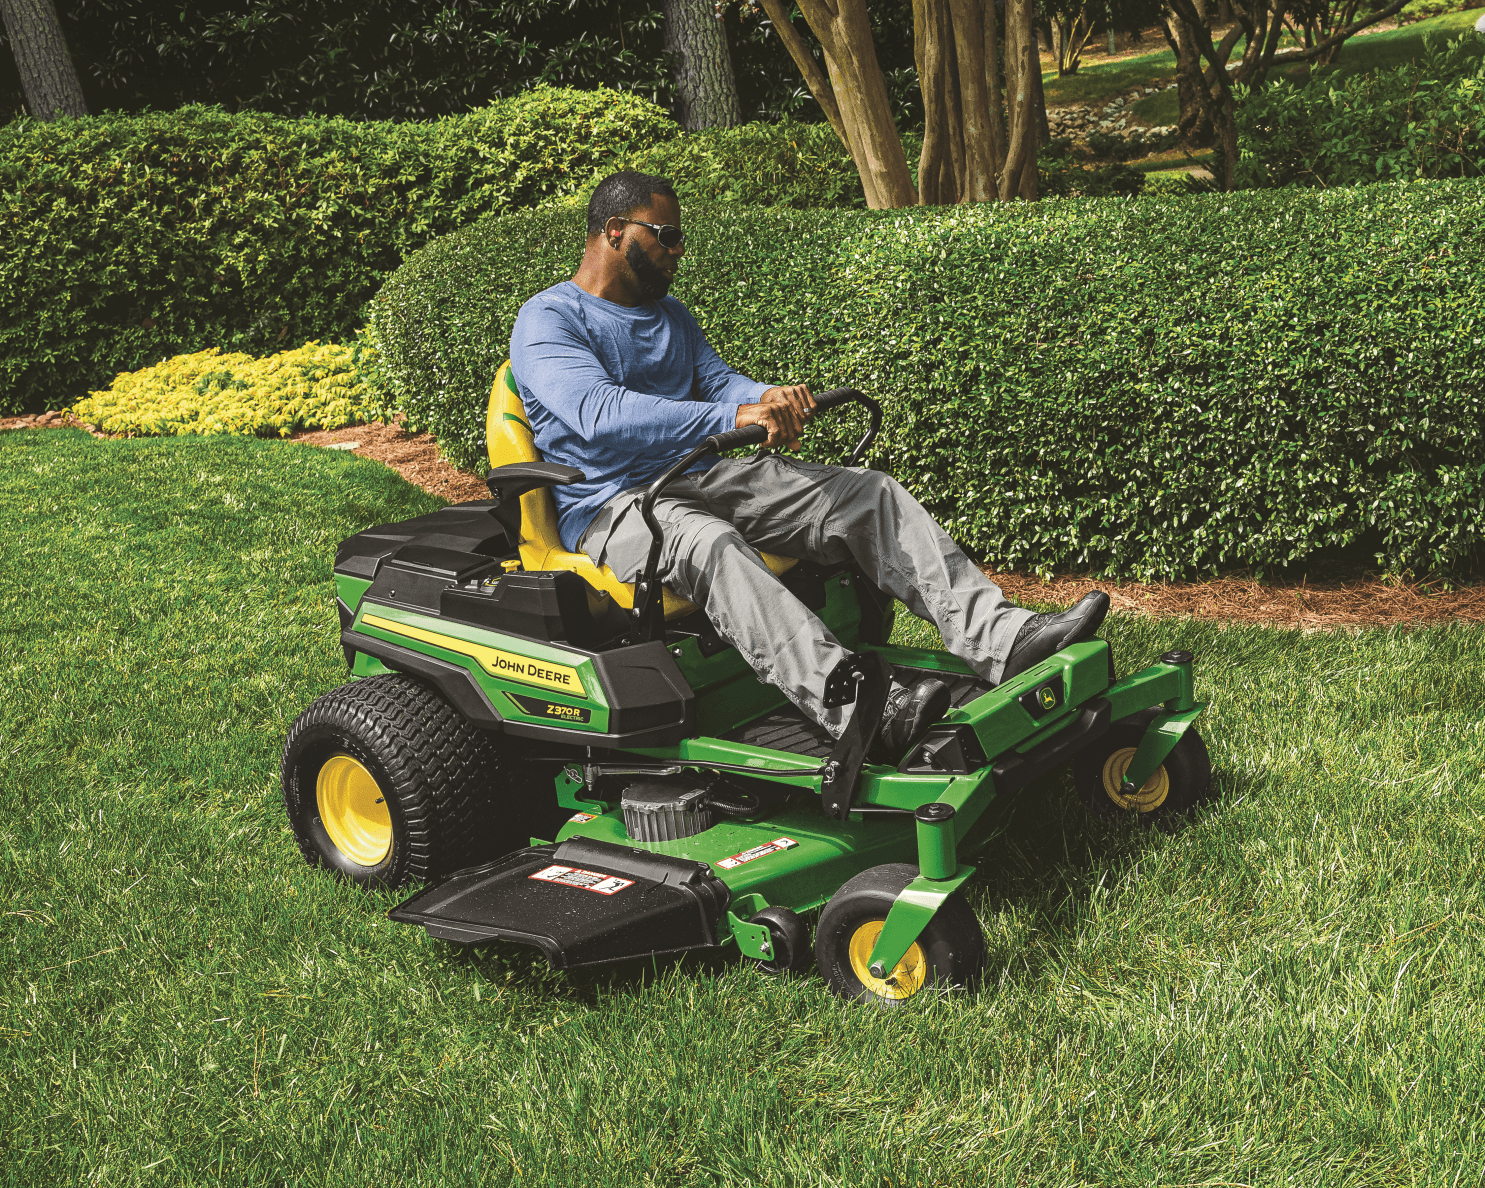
(504, 686)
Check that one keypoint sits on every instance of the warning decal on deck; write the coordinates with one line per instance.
(763, 851)
(580, 818)
(588, 880)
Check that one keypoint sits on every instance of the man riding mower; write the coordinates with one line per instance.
(687, 656)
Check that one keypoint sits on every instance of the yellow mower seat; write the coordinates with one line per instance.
(509, 438)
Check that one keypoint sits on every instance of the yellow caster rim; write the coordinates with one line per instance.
(905, 980)
(353, 811)
(1147, 799)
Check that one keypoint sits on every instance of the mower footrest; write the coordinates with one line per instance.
(581, 903)
(1015, 772)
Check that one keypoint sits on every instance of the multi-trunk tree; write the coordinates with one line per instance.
(1072, 24)
(980, 132)
(1207, 81)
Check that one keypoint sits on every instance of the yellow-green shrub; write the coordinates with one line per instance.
(311, 387)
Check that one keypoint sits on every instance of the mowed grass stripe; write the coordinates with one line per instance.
(1288, 991)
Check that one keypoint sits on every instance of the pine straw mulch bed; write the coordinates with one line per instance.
(1319, 601)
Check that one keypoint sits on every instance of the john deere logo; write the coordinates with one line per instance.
(1047, 696)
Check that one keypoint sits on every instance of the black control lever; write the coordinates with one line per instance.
(852, 395)
(648, 609)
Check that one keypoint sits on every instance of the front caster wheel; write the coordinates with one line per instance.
(1179, 784)
(790, 940)
(383, 780)
(950, 952)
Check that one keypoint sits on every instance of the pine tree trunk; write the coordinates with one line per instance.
(47, 75)
(706, 92)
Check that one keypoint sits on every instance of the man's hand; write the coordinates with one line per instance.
(783, 412)
(796, 394)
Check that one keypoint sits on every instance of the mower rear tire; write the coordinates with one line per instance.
(790, 940)
(384, 781)
(948, 954)
(1179, 784)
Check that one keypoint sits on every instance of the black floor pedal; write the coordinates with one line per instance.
(581, 903)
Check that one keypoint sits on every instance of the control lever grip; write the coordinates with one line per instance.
(835, 396)
(732, 438)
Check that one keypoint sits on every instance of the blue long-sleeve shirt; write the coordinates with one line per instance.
(619, 392)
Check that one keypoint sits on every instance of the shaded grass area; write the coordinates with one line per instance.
(1092, 84)
(1374, 51)
(1288, 991)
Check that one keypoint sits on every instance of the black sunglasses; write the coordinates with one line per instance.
(670, 237)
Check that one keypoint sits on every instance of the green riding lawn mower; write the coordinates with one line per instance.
(689, 805)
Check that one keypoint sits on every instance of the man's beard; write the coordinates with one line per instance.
(653, 283)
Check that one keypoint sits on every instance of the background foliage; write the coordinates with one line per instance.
(1425, 118)
(127, 239)
(1155, 388)
(397, 59)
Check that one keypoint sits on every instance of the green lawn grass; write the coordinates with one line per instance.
(1292, 990)
(1095, 83)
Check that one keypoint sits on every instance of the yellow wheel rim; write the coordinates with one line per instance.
(354, 811)
(903, 982)
(1147, 799)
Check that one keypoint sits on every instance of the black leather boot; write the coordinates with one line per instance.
(910, 710)
(1042, 635)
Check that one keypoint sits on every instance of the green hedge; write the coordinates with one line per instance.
(788, 164)
(128, 239)
(1154, 387)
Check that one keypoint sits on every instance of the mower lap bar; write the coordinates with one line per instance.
(583, 902)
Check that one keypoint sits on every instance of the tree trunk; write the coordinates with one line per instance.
(1194, 127)
(844, 33)
(980, 161)
(47, 74)
(960, 146)
(1038, 96)
(706, 92)
(1215, 91)
(994, 90)
(809, 69)
(1023, 78)
(1261, 21)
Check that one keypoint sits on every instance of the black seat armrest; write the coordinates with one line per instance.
(508, 483)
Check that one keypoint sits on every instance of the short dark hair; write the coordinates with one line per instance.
(621, 192)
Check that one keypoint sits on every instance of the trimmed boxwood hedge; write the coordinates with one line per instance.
(128, 239)
(1157, 388)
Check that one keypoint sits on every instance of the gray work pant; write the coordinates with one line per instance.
(717, 521)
